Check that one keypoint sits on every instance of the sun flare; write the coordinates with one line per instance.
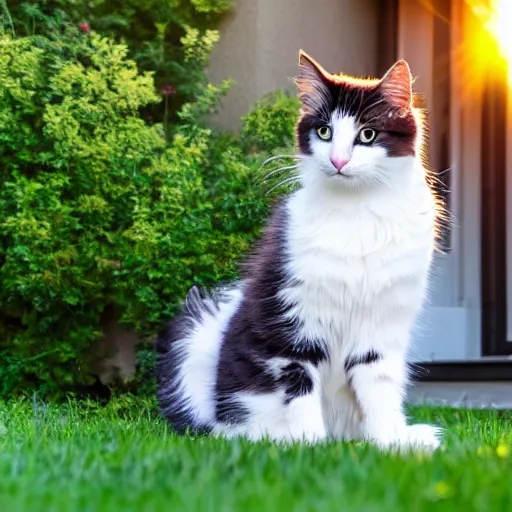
(499, 26)
(489, 49)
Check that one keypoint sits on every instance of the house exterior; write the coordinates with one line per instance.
(465, 332)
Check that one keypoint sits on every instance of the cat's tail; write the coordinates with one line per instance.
(187, 357)
(198, 302)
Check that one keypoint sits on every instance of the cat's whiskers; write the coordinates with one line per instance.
(280, 157)
(443, 215)
(367, 122)
(369, 107)
(291, 179)
(361, 100)
(278, 170)
(434, 178)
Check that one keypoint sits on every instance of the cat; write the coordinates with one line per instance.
(311, 343)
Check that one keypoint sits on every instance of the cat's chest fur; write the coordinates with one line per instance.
(359, 267)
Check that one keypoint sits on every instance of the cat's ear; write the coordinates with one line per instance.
(312, 80)
(396, 84)
(310, 69)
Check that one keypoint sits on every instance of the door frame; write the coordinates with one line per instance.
(494, 214)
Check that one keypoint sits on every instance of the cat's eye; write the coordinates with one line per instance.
(367, 135)
(324, 132)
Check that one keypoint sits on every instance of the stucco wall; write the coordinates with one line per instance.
(261, 39)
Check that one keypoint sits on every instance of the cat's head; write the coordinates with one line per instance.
(355, 131)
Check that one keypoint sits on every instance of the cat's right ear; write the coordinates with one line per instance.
(311, 81)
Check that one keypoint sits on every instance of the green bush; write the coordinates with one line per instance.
(96, 209)
(102, 204)
(271, 123)
(171, 38)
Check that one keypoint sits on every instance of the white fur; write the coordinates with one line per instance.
(301, 420)
(200, 353)
(360, 244)
(344, 132)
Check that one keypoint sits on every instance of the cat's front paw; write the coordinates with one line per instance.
(413, 438)
(424, 437)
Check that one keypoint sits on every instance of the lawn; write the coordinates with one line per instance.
(85, 457)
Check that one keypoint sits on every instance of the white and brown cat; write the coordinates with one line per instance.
(312, 342)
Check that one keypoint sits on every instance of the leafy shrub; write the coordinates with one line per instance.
(171, 38)
(235, 209)
(271, 123)
(96, 209)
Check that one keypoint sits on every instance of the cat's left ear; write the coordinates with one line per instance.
(396, 84)
(311, 81)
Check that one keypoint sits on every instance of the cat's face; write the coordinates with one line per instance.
(356, 131)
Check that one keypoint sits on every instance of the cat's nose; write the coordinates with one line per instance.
(339, 163)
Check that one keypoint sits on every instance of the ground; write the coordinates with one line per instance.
(85, 457)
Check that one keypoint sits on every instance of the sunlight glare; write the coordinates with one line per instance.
(498, 24)
(489, 48)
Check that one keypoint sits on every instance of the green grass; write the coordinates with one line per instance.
(83, 457)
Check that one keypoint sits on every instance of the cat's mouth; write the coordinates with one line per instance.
(342, 176)
(345, 175)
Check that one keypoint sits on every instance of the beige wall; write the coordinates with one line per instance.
(260, 42)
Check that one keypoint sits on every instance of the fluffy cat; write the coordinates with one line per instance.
(312, 342)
